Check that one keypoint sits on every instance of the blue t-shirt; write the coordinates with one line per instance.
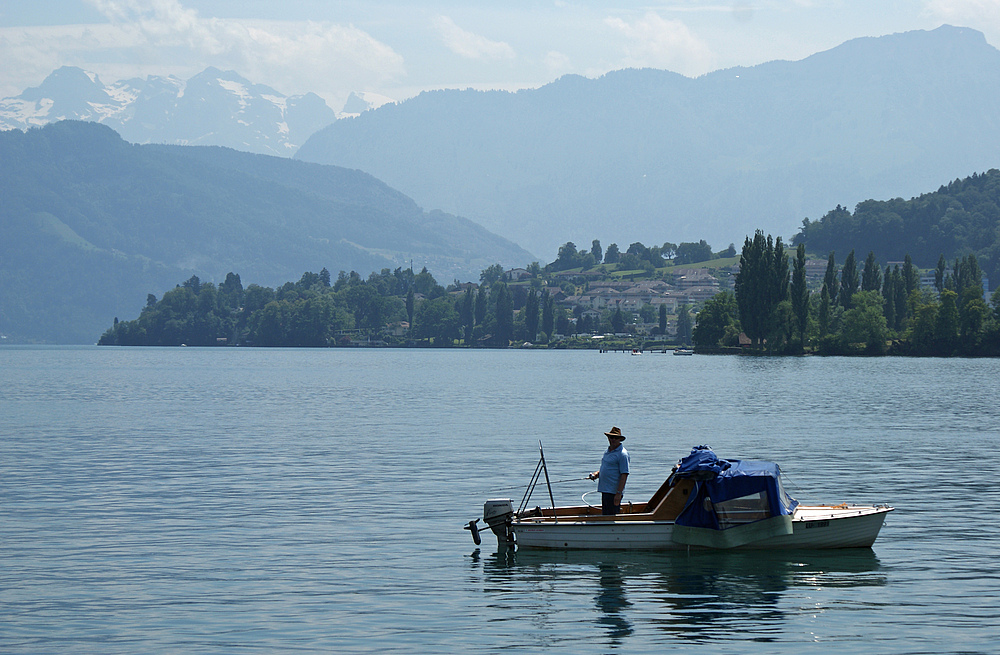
(613, 464)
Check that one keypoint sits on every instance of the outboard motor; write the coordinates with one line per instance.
(498, 514)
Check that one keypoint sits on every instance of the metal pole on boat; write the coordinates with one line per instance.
(547, 483)
(531, 488)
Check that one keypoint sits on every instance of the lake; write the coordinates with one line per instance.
(235, 500)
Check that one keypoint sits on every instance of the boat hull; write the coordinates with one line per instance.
(812, 528)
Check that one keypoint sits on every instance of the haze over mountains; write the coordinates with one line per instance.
(652, 156)
(215, 107)
(90, 224)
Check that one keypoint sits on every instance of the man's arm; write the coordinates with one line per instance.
(621, 484)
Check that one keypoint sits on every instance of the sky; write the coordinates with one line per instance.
(398, 48)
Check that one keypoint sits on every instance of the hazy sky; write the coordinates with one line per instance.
(398, 48)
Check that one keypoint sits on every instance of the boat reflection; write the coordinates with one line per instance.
(695, 596)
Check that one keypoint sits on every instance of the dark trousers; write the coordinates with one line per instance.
(608, 507)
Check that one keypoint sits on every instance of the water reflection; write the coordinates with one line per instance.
(697, 596)
(612, 603)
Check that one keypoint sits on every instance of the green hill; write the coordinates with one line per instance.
(958, 219)
(90, 224)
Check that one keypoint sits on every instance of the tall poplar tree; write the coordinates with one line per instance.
(889, 296)
(911, 278)
(504, 314)
(902, 312)
(596, 251)
(548, 313)
(481, 306)
(849, 282)
(531, 315)
(947, 325)
(684, 324)
(761, 285)
(468, 313)
(871, 278)
(800, 295)
(830, 279)
(824, 312)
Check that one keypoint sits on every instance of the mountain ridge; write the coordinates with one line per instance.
(91, 224)
(658, 156)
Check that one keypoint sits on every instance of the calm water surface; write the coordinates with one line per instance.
(230, 500)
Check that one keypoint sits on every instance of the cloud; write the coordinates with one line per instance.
(164, 37)
(652, 41)
(469, 45)
(961, 11)
(557, 63)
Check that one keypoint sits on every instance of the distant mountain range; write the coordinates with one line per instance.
(90, 224)
(212, 108)
(652, 156)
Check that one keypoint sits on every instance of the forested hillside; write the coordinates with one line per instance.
(958, 219)
(90, 224)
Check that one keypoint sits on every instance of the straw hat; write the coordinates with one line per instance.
(616, 433)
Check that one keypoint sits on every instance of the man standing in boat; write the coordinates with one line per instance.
(613, 473)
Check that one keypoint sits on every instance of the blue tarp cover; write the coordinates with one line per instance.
(720, 480)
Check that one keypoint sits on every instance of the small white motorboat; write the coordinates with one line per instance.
(706, 502)
(683, 351)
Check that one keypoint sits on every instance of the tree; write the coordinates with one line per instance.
(548, 312)
(800, 295)
(596, 251)
(491, 274)
(939, 274)
(409, 306)
(618, 321)
(531, 315)
(684, 325)
(972, 322)
(567, 258)
(890, 280)
(830, 279)
(663, 318)
(612, 254)
(437, 320)
(481, 305)
(505, 315)
(717, 320)
(902, 310)
(849, 281)
(468, 314)
(689, 253)
(920, 334)
(946, 328)
(761, 285)
(871, 278)
(824, 312)
(865, 323)
(911, 278)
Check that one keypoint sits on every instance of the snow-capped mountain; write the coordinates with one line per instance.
(360, 102)
(214, 107)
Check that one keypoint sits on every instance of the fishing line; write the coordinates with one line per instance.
(518, 486)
